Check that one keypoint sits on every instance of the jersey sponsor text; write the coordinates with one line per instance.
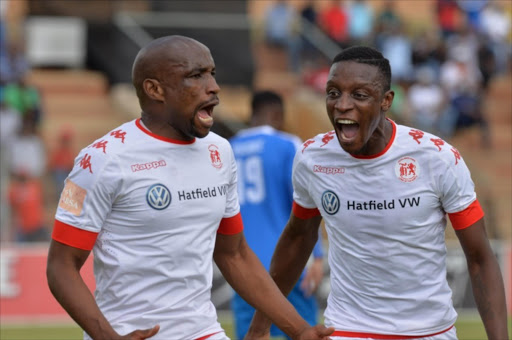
(72, 198)
(202, 193)
(383, 205)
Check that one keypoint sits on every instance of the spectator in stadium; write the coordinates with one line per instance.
(24, 97)
(334, 21)
(384, 197)
(264, 156)
(156, 200)
(62, 159)
(281, 31)
(27, 152)
(27, 207)
(448, 16)
(361, 21)
(430, 106)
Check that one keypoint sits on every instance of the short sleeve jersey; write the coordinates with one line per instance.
(385, 217)
(155, 206)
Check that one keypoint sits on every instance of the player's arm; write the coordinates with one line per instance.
(486, 279)
(68, 287)
(314, 271)
(290, 256)
(245, 273)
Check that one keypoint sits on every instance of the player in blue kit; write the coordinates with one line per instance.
(264, 157)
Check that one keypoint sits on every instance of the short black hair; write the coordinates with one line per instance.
(264, 98)
(367, 55)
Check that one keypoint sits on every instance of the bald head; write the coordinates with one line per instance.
(159, 56)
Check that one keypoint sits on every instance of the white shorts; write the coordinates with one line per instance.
(451, 334)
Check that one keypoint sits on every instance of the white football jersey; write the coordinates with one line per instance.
(385, 217)
(155, 205)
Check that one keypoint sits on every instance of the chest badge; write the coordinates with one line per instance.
(158, 196)
(215, 156)
(407, 169)
(330, 202)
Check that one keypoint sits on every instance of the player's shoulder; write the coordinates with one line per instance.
(426, 144)
(321, 141)
(214, 138)
(114, 142)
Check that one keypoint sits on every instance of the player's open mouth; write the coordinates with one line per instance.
(205, 115)
(348, 129)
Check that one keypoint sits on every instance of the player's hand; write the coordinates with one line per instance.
(313, 277)
(141, 334)
(318, 332)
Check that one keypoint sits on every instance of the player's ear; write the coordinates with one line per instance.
(153, 89)
(387, 100)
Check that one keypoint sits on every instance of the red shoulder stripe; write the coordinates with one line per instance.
(304, 213)
(73, 236)
(467, 217)
(231, 225)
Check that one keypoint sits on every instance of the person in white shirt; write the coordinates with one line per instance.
(384, 192)
(156, 200)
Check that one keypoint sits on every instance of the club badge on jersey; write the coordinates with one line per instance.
(407, 169)
(215, 156)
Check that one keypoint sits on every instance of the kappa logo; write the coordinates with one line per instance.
(329, 170)
(330, 202)
(148, 166)
(158, 196)
(407, 169)
(215, 156)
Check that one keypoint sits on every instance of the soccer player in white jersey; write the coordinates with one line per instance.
(384, 196)
(156, 200)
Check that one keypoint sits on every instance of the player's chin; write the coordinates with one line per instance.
(201, 133)
(351, 147)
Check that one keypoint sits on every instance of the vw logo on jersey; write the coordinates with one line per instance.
(158, 196)
(330, 202)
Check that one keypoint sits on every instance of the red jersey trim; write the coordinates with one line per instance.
(467, 217)
(384, 336)
(72, 236)
(204, 337)
(391, 140)
(304, 213)
(231, 225)
(165, 139)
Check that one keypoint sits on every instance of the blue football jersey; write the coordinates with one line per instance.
(264, 158)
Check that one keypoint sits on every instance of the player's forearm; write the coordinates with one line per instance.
(290, 257)
(248, 277)
(288, 262)
(489, 293)
(73, 295)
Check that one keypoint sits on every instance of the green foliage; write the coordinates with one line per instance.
(467, 329)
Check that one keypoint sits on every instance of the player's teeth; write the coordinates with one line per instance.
(345, 121)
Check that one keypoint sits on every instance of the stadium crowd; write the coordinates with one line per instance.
(441, 72)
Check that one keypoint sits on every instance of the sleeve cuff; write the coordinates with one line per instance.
(231, 225)
(467, 217)
(73, 236)
(304, 213)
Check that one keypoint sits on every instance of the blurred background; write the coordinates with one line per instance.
(65, 71)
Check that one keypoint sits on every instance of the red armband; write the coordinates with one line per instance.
(72, 236)
(304, 213)
(467, 217)
(231, 225)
